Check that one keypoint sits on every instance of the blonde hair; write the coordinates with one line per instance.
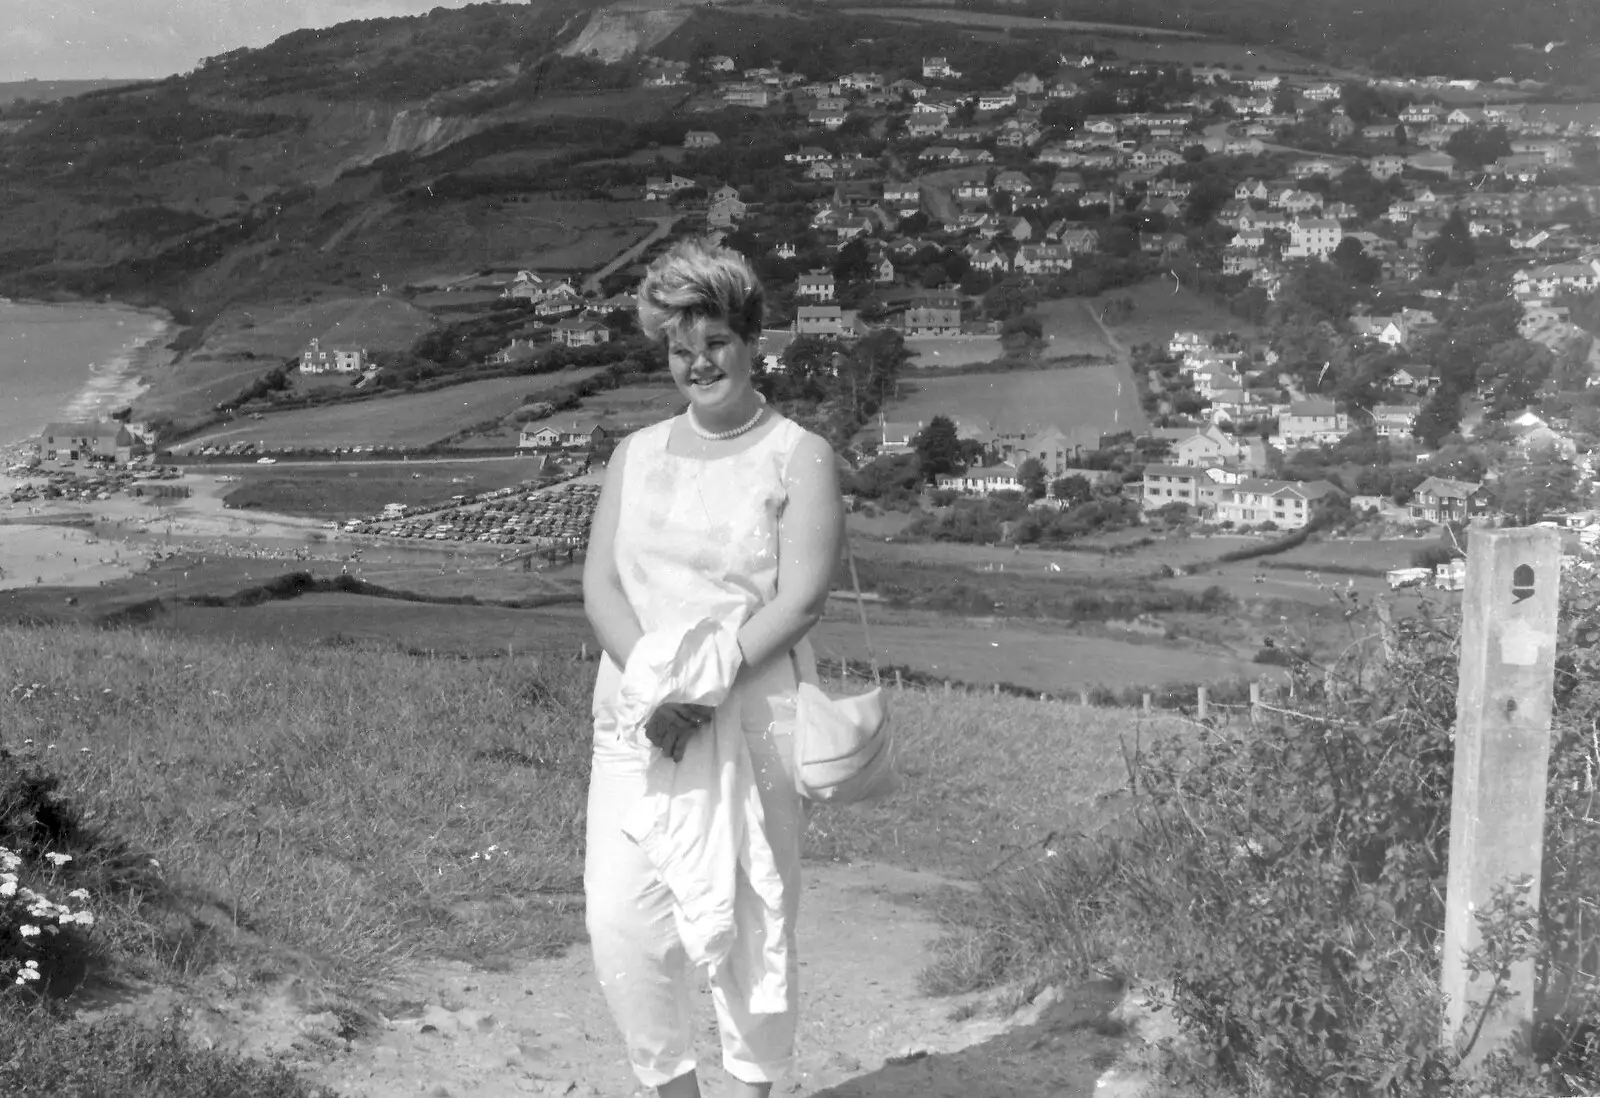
(696, 281)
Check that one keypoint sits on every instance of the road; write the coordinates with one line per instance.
(663, 227)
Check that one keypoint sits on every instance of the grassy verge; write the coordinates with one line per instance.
(290, 809)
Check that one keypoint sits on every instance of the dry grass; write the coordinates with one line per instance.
(356, 806)
(947, 351)
(1158, 312)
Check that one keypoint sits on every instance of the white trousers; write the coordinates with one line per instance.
(643, 968)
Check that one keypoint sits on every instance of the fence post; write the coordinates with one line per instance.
(1200, 700)
(1145, 704)
(1386, 628)
(1502, 747)
(1083, 698)
(1255, 700)
(898, 684)
(583, 652)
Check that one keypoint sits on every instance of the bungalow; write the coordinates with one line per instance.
(1287, 504)
(938, 68)
(1554, 278)
(807, 154)
(1027, 84)
(1315, 421)
(927, 125)
(538, 438)
(771, 346)
(1440, 163)
(746, 95)
(1252, 189)
(980, 480)
(1439, 499)
(828, 120)
(988, 260)
(574, 332)
(997, 101)
(1013, 182)
(902, 194)
(1294, 201)
(701, 139)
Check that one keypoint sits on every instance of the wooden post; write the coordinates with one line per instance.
(1083, 698)
(1145, 705)
(997, 690)
(1255, 700)
(1502, 747)
(583, 652)
(1200, 700)
(898, 684)
(1386, 629)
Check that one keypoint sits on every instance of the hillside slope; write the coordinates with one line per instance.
(614, 33)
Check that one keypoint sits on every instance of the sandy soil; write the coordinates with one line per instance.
(450, 1030)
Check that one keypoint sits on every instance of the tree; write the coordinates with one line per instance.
(1535, 486)
(1074, 488)
(1453, 248)
(1475, 146)
(937, 447)
(853, 263)
(1030, 474)
(1401, 138)
(1285, 100)
(1437, 418)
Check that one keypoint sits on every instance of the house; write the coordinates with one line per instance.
(986, 259)
(1013, 182)
(560, 301)
(980, 480)
(1394, 420)
(826, 320)
(1440, 163)
(104, 440)
(1287, 504)
(1315, 421)
(1027, 84)
(575, 332)
(1196, 487)
(1439, 499)
(538, 438)
(1201, 446)
(924, 321)
(815, 286)
(771, 346)
(1292, 201)
(828, 120)
(317, 359)
(1054, 449)
(746, 95)
(1545, 282)
(997, 101)
(807, 154)
(1020, 229)
(902, 194)
(1313, 238)
(1252, 189)
(938, 68)
(701, 139)
(1182, 343)
(1042, 259)
(909, 88)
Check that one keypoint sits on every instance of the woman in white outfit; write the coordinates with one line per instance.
(709, 560)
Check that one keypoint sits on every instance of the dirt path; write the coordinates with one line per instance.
(544, 1029)
(453, 1031)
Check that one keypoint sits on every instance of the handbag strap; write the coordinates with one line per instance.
(861, 609)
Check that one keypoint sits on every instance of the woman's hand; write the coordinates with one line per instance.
(670, 726)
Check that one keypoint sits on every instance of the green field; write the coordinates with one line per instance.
(1098, 396)
(1070, 330)
(1158, 312)
(409, 420)
(947, 351)
(360, 489)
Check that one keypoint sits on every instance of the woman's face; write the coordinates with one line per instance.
(710, 364)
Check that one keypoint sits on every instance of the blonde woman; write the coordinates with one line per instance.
(709, 561)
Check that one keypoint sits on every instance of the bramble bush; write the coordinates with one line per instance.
(1284, 881)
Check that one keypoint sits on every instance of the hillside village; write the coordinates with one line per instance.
(941, 207)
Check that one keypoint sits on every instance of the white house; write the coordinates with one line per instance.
(317, 359)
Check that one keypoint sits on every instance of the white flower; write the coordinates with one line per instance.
(82, 918)
(56, 859)
(79, 894)
(28, 930)
(8, 888)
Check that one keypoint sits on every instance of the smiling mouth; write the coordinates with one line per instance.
(706, 381)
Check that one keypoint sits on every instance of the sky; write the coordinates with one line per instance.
(122, 39)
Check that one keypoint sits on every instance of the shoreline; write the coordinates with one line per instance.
(113, 383)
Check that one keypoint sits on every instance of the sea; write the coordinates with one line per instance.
(71, 362)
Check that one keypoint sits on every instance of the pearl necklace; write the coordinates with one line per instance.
(723, 436)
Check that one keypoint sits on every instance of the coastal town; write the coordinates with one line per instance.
(944, 207)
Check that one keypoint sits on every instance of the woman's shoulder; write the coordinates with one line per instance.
(801, 448)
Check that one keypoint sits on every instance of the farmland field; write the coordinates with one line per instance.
(1010, 22)
(947, 351)
(410, 420)
(1098, 396)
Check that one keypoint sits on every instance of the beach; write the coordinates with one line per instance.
(73, 362)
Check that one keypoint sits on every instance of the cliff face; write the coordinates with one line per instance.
(422, 133)
(615, 33)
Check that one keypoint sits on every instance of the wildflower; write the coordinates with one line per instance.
(56, 859)
(28, 930)
(79, 894)
(154, 864)
(82, 918)
(29, 972)
(8, 888)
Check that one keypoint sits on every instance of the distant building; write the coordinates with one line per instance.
(701, 139)
(1313, 422)
(575, 332)
(317, 359)
(1287, 504)
(1440, 500)
(105, 440)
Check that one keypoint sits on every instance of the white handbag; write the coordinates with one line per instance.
(844, 747)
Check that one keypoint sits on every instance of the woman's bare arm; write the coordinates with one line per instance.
(809, 537)
(611, 616)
